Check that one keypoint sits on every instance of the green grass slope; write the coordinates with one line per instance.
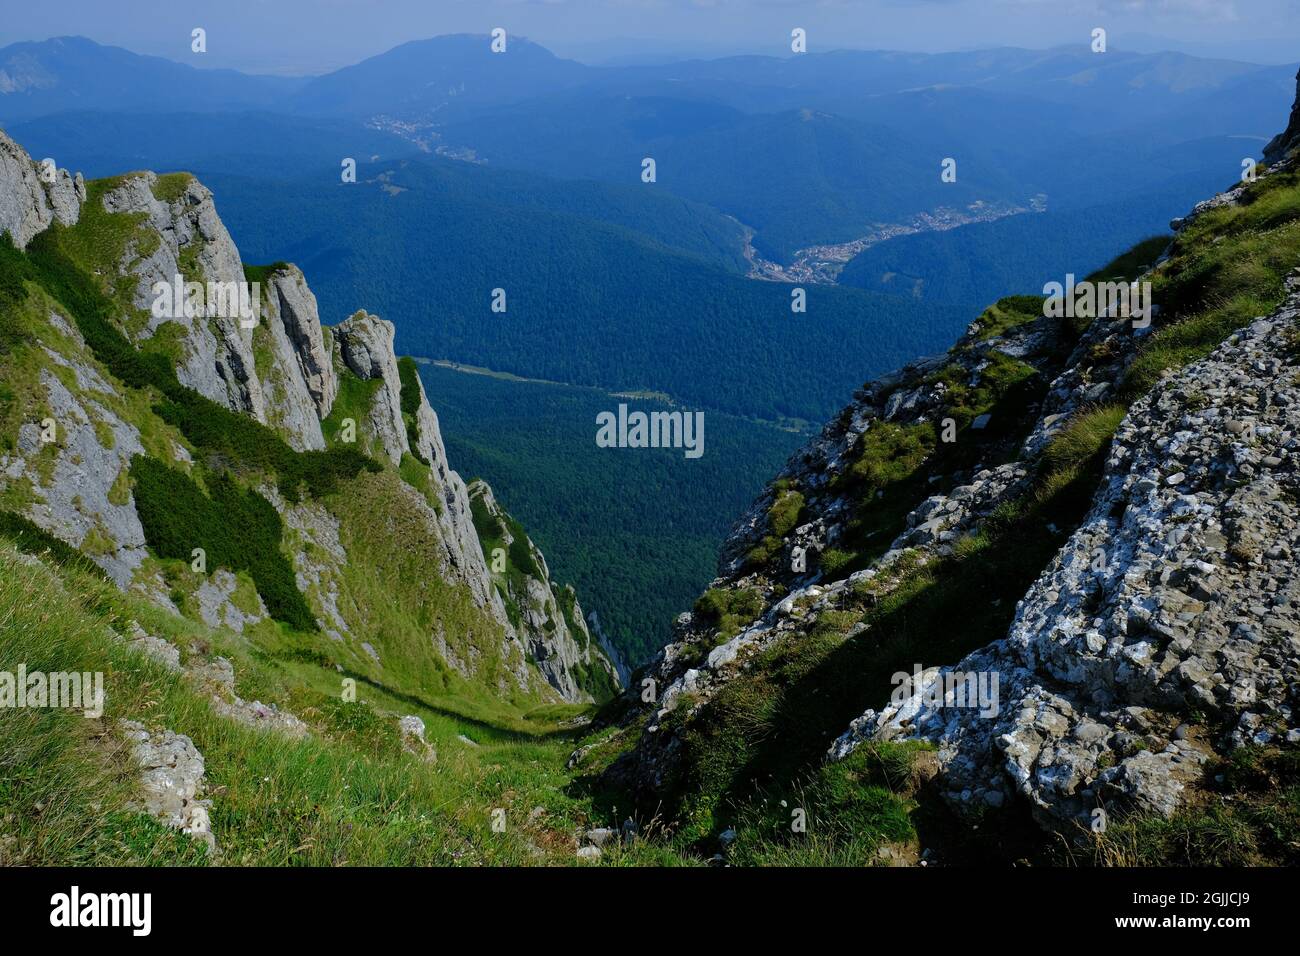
(346, 796)
(205, 479)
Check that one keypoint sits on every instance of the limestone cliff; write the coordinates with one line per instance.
(390, 564)
(32, 199)
(547, 618)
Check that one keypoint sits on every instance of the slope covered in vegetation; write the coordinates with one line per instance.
(1100, 511)
(883, 549)
(251, 532)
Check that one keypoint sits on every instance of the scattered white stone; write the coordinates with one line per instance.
(172, 780)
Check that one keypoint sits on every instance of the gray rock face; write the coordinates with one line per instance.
(300, 320)
(366, 345)
(218, 359)
(217, 351)
(80, 489)
(942, 519)
(411, 729)
(428, 445)
(259, 716)
(155, 647)
(318, 558)
(216, 607)
(76, 496)
(297, 387)
(216, 678)
(29, 204)
(1289, 139)
(300, 384)
(455, 517)
(1176, 596)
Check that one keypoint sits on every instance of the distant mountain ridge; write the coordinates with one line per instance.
(806, 150)
(423, 78)
(69, 73)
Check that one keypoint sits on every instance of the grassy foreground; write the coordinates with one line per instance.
(347, 795)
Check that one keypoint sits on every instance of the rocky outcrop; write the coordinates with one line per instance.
(912, 396)
(428, 441)
(1288, 140)
(171, 780)
(318, 558)
(299, 321)
(154, 647)
(300, 384)
(78, 477)
(411, 730)
(293, 386)
(218, 357)
(217, 679)
(217, 607)
(455, 516)
(31, 201)
(1176, 597)
(365, 344)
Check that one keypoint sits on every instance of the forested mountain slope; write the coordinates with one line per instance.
(1039, 583)
(192, 488)
(1030, 600)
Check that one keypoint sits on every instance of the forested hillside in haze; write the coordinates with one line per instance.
(636, 531)
(588, 300)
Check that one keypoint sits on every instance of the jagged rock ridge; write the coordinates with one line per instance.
(1176, 595)
(286, 372)
(1163, 632)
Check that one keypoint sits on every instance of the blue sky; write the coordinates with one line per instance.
(311, 36)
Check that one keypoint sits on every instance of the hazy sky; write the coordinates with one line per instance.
(311, 36)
